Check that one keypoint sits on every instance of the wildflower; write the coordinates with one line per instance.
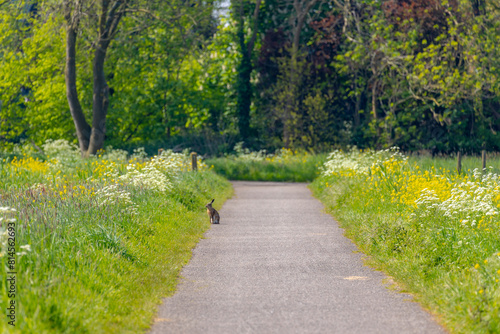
(112, 195)
(25, 250)
(114, 155)
(62, 152)
(6, 209)
(4, 235)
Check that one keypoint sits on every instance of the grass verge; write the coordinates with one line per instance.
(434, 231)
(103, 242)
(284, 166)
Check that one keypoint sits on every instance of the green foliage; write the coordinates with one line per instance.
(284, 166)
(95, 268)
(32, 82)
(431, 59)
(450, 264)
(418, 75)
(156, 69)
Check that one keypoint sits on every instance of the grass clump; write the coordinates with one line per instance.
(434, 231)
(283, 165)
(99, 242)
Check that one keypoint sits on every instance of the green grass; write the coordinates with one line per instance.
(451, 268)
(294, 168)
(469, 163)
(94, 269)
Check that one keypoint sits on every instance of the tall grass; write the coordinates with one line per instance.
(284, 165)
(434, 231)
(469, 163)
(104, 239)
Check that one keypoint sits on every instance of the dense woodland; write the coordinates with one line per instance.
(205, 75)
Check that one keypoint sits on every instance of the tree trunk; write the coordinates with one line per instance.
(91, 139)
(374, 108)
(81, 125)
(301, 8)
(477, 7)
(356, 110)
(287, 112)
(301, 12)
(244, 87)
(100, 100)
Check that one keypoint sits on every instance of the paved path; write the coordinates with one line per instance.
(278, 264)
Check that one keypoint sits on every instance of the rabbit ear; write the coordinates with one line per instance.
(212, 201)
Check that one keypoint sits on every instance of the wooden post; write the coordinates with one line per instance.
(483, 158)
(459, 162)
(194, 161)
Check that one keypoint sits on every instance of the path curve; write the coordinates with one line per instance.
(278, 264)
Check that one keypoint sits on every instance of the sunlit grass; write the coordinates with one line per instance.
(104, 247)
(469, 163)
(284, 165)
(434, 231)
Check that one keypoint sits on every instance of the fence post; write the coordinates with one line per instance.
(194, 161)
(459, 162)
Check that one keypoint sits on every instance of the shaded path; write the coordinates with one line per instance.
(277, 264)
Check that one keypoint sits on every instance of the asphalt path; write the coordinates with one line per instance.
(278, 264)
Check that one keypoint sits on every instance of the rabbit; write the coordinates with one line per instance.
(212, 213)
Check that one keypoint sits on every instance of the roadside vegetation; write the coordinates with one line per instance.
(433, 230)
(290, 77)
(283, 165)
(99, 241)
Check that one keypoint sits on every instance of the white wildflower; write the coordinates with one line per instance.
(25, 250)
(139, 154)
(360, 162)
(157, 173)
(112, 195)
(115, 155)
(61, 152)
(4, 234)
(149, 177)
(6, 209)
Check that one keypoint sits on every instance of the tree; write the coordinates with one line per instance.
(153, 71)
(180, 19)
(91, 137)
(246, 44)
(456, 75)
(158, 71)
(32, 85)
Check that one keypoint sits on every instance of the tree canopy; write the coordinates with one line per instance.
(311, 74)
